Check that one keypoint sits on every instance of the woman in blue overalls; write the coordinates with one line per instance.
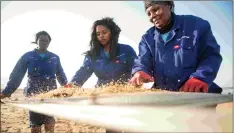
(43, 69)
(178, 53)
(109, 60)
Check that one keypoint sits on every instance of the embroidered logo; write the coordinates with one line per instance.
(183, 37)
(120, 55)
(98, 60)
(176, 46)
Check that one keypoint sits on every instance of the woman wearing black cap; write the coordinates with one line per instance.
(178, 53)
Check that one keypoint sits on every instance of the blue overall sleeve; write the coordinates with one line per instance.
(132, 56)
(61, 77)
(16, 76)
(144, 61)
(83, 73)
(210, 58)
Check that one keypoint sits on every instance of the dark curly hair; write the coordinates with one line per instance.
(95, 46)
(148, 3)
(39, 34)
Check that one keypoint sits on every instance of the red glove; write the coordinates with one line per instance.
(140, 77)
(195, 85)
(68, 85)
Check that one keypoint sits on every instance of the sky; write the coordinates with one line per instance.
(69, 24)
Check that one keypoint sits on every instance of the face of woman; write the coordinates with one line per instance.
(159, 15)
(103, 35)
(43, 42)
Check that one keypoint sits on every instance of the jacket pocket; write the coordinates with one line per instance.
(120, 65)
(121, 59)
(189, 55)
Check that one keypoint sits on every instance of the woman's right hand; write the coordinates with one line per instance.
(2, 96)
(139, 78)
(69, 85)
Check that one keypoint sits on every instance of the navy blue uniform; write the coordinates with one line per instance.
(190, 50)
(105, 69)
(42, 74)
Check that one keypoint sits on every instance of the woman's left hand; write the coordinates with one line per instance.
(195, 85)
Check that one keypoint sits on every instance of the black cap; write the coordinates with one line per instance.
(148, 3)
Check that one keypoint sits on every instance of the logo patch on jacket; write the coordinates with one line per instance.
(183, 37)
(176, 46)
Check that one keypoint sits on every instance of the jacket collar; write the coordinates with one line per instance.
(176, 26)
(47, 53)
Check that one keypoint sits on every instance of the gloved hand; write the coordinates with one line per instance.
(195, 85)
(139, 78)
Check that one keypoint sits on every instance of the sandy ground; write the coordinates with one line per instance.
(16, 119)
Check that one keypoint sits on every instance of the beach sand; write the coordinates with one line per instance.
(15, 119)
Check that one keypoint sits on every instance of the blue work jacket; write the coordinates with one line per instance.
(42, 73)
(190, 50)
(105, 69)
